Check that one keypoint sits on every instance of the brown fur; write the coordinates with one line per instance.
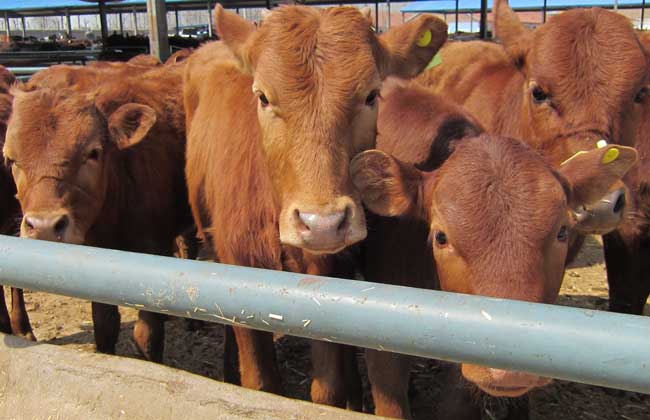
(506, 247)
(627, 250)
(129, 196)
(251, 167)
(18, 323)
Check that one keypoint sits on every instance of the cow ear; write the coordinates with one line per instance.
(407, 49)
(591, 174)
(514, 36)
(234, 31)
(387, 186)
(130, 123)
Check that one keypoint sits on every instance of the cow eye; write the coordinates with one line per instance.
(441, 238)
(264, 100)
(563, 234)
(94, 155)
(539, 96)
(371, 100)
(640, 95)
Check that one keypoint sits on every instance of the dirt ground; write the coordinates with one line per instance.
(67, 322)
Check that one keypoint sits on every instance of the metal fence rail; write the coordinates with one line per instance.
(580, 345)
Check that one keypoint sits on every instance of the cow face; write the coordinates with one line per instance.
(585, 73)
(63, 150)
(317, 74)
(499, 219)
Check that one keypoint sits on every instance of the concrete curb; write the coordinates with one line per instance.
(43, 381)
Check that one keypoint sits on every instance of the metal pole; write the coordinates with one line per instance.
(135, 22)
(210, 19)
(102, 19)
(23, 26)
(68, 23)
(176, 18)
(456, 31)
(544, 12)
(7, 30)
(505, 334)
(642, 14)
(120, 17)
(377, 16)
(388, 4)
(158, 41)
(483, 23)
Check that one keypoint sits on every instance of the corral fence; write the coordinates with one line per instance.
(587, 346)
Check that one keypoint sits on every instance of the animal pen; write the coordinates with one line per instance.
(541, 339)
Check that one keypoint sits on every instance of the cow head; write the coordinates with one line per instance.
(63, 147)
(584, 75)
(317, 74)
(499, 219)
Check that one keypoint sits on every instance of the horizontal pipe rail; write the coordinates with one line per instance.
(579, 345)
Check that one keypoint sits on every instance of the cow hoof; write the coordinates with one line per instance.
(29, 336)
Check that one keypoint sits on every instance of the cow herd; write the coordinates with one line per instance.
(312, 144)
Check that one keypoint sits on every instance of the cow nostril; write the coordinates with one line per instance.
(29, 223)
(345, 220)
(301, 221)
(620, 203)
(61, 225)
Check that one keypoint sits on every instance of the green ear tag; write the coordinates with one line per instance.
(435, 61)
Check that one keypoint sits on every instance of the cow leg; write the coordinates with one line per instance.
(627, 291)
(149, 335)
(5, 322)
(230, 357)
(257, 361)
(353, 380)
(20, 325)
(328, 380)
(458, 398)
(106, 320)
(518, 408)
(389, 379)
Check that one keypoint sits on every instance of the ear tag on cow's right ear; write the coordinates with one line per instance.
(611, 155)
(425, 39)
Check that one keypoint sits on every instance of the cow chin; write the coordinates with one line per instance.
(502, 383)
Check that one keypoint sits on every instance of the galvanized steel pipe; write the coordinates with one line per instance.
(568, 343)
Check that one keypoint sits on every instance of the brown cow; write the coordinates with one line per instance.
(18, 324)
(627, 250)
(104, 169)
(491, 212)
(270, 138)
(574, 80)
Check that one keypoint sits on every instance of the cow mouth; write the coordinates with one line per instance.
(504, 391)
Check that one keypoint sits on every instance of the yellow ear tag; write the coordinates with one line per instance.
(601, 143)
(425, 39)
(611, 155)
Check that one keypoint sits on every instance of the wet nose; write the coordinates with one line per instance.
(603, 216)
(50, 227)
(326, 230)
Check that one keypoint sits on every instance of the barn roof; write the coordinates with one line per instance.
(17, 8)
(448, 6)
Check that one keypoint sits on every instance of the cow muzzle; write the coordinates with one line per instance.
(502, 383)
(603, 216)
(323, 231)
(52, 226)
